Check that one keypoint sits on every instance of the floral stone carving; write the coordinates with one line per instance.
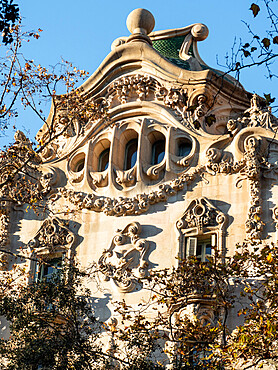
(53, 237)
(4, 238)
(254, 224)
(125, 260)
(201, 214)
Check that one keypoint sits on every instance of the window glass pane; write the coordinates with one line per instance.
(184, 148)
(48, 269)
(158, 151)
(130, 154)
(103, 161)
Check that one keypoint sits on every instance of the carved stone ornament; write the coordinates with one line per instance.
(53, 237)
(4, 239)
(124, 206)
(254, 225)
(125, 260)
(202, 216)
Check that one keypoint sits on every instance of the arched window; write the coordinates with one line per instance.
(158, 151)
(130, 154)
(184, 148)
(103, 160)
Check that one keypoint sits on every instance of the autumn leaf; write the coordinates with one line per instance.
(269, 258)
(275, 40)
(255, 9)
(246, 53)
(266, 42)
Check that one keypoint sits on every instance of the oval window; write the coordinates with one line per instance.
(103, 160)
(130, 154)
(79, 165)
(184, 148)
(78, 162)
(158, 151)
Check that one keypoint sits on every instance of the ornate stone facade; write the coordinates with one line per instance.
(173, 159)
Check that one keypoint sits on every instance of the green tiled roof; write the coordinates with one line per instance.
(170, 48)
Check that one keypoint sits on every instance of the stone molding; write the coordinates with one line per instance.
(53, 237)
(201, 217)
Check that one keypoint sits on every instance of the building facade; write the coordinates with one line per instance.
(174, 159)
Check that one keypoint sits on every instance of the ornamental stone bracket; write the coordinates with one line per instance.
(126, 259)
(54, 237)
(201, 217)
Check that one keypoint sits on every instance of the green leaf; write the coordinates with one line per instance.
(196, 124)
(266, 42)
(191, 108)
(210, 120)
(269, 99)
(255, 9)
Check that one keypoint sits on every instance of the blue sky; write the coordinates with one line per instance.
(82, 32)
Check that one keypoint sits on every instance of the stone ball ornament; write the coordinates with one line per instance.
(199, 31)
(140, 21)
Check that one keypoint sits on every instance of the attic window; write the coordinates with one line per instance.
(158, 151)
(130, 154)
(103, 161)
(184, 148)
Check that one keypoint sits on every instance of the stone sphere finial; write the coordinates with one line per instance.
(140, 21)
(200, 32)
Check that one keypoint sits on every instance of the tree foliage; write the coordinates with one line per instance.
(9, 16)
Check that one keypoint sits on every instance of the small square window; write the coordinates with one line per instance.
(49, 268)
(200, 247)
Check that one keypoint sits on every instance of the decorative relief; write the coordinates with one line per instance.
(253, 224)
(258, 115)
(126, 178)
(123, 87)
(275, 216)
(153, 171)
(124, 206)
(54, 236)
(219, 162)
(4, 239)
(201, 214)
(100, 179)
(125, 260)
